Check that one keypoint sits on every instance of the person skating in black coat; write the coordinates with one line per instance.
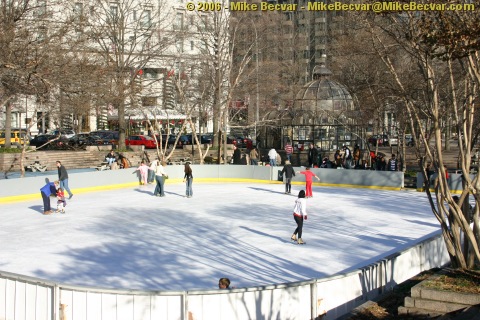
(289, 173)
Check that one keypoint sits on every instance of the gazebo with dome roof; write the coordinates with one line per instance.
(323, 113)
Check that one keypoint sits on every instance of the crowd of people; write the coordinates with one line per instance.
(343, 158)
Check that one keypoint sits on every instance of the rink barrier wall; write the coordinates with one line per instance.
(28, 188)
(454, 181)
(27, 298)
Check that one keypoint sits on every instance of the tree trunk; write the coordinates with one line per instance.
(8, 124)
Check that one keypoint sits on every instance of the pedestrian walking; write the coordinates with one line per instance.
(299, 214)
(289, 173)
(272, 156)
(312, 155)
(188, 179)
(309, 175)
(347, 157)
(254, 157)
(160, 176)
(289, 151)
(63, 178)
(237, 155)
(392, 164)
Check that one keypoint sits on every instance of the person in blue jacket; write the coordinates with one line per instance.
(47, 190)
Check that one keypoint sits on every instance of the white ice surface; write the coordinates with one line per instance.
(130, 239)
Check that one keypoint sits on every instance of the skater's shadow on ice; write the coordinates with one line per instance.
(39, 209)
(144, 191)
(268, 190)
(174, 193)
(265, 234)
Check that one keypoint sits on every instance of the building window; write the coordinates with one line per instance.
(41, 7)
(179, 45)
(149, 101)
(42, 34)
(78, 9)
(178, 23)
(147, 19)
(204, 25)
(113, 12)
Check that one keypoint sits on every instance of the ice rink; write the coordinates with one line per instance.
(129, 239)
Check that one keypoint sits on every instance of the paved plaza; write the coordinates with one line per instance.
(128, 238)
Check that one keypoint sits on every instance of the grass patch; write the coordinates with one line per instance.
(456, 280)
(11, 150)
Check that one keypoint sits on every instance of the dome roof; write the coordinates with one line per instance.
(323, 94)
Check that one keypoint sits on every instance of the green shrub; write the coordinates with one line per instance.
(10, 150)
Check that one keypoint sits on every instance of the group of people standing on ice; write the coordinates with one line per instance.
(156, 172)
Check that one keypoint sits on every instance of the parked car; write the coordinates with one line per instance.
(232, 140)
(141, 140)
(245, 143)
(57, 142)
(85, 139)
(64, 133)
(17, 137)
(409, 141)
(203, 139)
(206, 139)
(185, 140)
(167, 139)
(107, 136)
(382, 140)
(393, 141)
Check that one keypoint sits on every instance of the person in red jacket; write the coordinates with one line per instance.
(309, 175)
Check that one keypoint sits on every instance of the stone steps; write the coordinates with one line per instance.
(432, 302)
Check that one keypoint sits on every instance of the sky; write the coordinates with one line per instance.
(129, 239)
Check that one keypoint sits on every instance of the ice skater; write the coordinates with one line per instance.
(48, 189)
(299, 214)
(308, 181)
(188, 178)
(61, 202)
(160, 176)
(142, 171)
(289, 173)
(63, 178)
(151, 171)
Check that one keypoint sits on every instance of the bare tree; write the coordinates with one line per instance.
(438, 54)
(31, 51)
(127, 36)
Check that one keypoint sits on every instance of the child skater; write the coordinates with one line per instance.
(143, 173)
(61, 202)
(308, 181)
(299, 214)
